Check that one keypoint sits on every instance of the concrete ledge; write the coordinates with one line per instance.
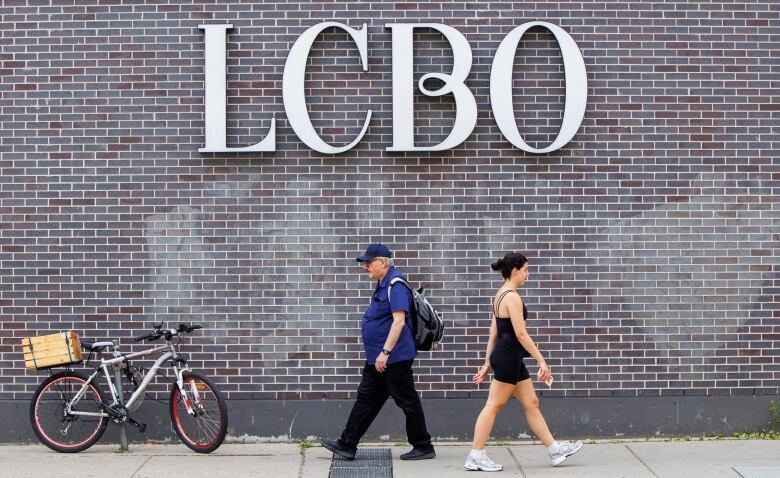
(449, 419)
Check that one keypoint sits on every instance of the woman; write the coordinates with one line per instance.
(509, 342)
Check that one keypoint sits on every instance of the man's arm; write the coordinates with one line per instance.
(399, 319)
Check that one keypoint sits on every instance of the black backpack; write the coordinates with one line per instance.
(427, 325)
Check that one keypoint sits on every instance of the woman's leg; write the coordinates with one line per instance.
(497, 398)
(525, 393)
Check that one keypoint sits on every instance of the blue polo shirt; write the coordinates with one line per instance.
(378, 319)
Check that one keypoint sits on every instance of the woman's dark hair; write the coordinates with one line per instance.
(513, 260)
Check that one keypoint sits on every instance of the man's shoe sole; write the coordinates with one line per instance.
(563, 458)
(427, 456)
(342, 454)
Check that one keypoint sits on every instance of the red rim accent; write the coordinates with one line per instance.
(46, 435)
(179, 426)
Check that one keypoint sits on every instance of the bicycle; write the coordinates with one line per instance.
(69, 413)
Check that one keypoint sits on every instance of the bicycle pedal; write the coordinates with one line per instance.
(140, 426)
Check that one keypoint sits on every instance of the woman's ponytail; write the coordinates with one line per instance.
(511, 261)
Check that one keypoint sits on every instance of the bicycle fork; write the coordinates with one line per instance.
(185, 395)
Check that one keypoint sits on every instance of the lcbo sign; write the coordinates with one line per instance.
(403, 93)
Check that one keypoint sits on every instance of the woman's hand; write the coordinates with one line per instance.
(544, 374)
(481, 374)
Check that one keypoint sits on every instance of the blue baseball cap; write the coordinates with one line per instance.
(373, 251)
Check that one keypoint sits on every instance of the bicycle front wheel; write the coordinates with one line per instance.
(61, 431)
(205, 429)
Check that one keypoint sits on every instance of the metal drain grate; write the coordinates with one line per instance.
(369, 472)
(368, 463)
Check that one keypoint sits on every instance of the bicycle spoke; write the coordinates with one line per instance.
(202, 428)
(209, 425)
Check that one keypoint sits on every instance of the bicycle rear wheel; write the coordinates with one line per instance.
(67, 433)
(204, 431)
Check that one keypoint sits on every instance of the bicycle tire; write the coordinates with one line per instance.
(211, 420)
(48, 408)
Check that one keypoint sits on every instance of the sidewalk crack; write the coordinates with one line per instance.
(142, 465)
(303, 462)
(517, 462)
(641, 461)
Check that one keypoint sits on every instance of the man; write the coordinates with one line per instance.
(390, 351)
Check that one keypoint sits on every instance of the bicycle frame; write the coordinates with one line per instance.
(170, 353)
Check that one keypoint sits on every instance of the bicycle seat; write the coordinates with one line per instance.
(96, 346)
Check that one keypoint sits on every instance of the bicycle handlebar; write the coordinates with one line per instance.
(159, 332)
(146, 337)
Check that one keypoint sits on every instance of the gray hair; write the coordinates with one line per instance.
(387, 260)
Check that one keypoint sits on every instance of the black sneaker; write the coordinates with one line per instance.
(339, 448)
(419, 454)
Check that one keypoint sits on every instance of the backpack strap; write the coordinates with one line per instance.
(395, 281)
(403, 281)
(500, 298)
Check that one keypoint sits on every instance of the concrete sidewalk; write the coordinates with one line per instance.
(603, 459)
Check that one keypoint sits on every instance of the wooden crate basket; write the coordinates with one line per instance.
(55, 350)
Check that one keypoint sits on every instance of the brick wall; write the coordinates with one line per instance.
(653, 235)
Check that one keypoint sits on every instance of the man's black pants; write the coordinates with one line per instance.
(397, 381)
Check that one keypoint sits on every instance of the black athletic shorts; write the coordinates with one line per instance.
(507, 364)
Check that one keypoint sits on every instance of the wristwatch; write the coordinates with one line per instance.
(386, 351)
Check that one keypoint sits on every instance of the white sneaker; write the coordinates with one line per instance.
(565, 450)
(482, 463)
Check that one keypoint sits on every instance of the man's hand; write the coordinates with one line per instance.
(381, 362)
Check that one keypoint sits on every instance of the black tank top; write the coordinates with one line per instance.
(506, 333)
(498, 306)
